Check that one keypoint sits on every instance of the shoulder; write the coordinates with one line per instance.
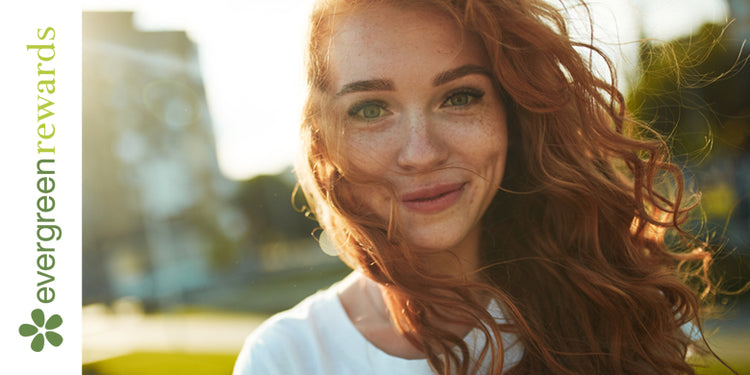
(317, 337)
(293, 341)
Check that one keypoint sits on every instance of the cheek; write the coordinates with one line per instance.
(368, 153)
(497, 146)
(370, 199)
(484, 144)
(496, 138)
(496, 154)
(367, 163)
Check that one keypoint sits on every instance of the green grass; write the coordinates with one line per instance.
(715, 368)
(148, 363)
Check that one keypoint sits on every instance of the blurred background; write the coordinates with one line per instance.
(190, 116)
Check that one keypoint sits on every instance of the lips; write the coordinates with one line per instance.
(434, 198)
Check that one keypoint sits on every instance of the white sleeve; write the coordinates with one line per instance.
(255, 358)
(270, 350)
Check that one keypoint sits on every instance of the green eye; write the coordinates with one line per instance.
(459, 99)
(370, 112)
(463, 97)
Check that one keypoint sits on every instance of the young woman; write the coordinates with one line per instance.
(498, 207)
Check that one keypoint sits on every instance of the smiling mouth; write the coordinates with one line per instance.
(433, 199)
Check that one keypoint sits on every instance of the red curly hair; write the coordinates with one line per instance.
(573, 244)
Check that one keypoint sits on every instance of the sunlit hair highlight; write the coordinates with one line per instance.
(573, 245)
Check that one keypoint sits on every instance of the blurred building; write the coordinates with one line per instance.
(153, 211)
(160, 222)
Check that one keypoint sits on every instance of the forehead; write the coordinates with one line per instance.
(399, 44)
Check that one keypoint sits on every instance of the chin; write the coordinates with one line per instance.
(436, 241)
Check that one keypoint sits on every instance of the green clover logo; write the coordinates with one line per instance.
(37, 316)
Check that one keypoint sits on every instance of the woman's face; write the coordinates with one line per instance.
(421, 114)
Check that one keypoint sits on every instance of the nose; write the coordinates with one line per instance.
(423, 148)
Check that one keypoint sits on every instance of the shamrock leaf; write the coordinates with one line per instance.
(37, 344)
(53, 338)
(38, 317)
(27, 330)
(53, 322)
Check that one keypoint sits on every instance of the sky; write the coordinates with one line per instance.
(251, 52)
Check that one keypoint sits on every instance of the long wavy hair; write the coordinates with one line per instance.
(573, 245)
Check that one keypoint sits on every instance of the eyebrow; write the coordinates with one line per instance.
(459, 72)
(370, 85)
(440, 79)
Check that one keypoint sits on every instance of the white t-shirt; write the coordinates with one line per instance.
(317, 337)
